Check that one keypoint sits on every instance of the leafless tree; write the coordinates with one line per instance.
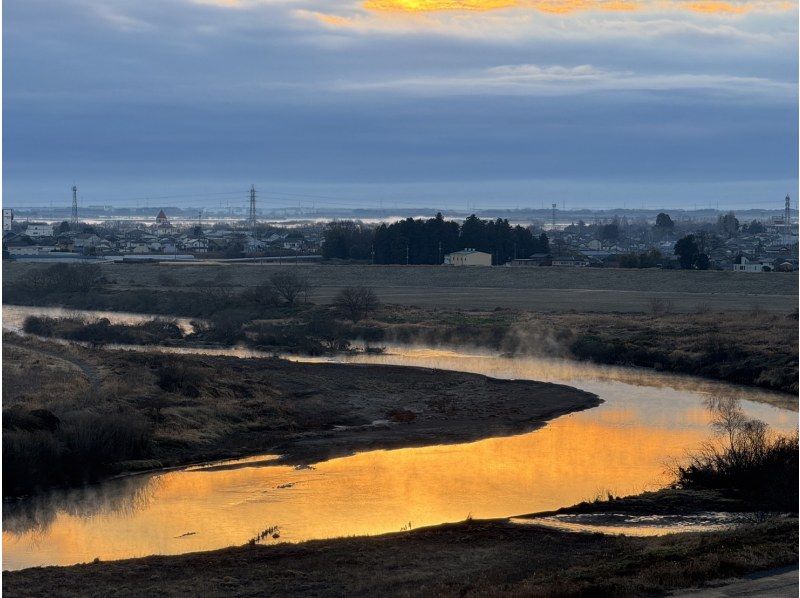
(356, 302)
(289, 286)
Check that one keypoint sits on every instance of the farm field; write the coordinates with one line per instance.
(537, 289)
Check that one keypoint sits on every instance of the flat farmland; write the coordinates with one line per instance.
(538, 289)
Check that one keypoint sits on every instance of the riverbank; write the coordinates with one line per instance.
(748, 344)
(193, 408)
(480, 558)
(760, 350)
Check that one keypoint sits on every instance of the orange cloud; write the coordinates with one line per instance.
(570, 6)
(713, 6)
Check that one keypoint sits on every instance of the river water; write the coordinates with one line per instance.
(626, 445)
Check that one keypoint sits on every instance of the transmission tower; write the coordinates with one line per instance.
(252, 218)
(787, 216)
(74, 205)
(555, 205)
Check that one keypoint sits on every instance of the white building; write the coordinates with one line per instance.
(745, 265)
(8, 217)
(38, 230)
(30, 249)
(468, 257)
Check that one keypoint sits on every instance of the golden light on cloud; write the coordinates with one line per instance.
(717, 7)
(438, 5)
(570, 6)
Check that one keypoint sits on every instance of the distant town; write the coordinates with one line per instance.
(747, 241)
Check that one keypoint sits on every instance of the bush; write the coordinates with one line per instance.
(356, 303)
(40, 326)
(177, 377)
(41, 449)
(748, 460)
(289, 286)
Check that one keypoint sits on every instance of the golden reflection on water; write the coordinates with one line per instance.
(624, 446)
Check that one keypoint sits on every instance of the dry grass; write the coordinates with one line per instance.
(478, 558)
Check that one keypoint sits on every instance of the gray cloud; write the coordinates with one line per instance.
(141, 94)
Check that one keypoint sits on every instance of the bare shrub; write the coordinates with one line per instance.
(356, 303)
(660, 306)
(289, 286)
(176, 376)
(332, 335)
(40, 449)
(747, 459)
(263, 295)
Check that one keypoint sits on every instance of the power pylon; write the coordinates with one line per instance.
(74, 205)
(252, 219)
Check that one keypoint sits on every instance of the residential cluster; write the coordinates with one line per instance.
(766, 245)
(727, 244)
(158, 239)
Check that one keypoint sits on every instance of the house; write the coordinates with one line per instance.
(39, 230)
(535, 260)
(294, 244)
(162, 223)
(743, 264)
(15, 250)
(138, 247)
(8, 218)
(252, 245)
(198, 245)
(468, 257)
(571, 261)
(85, 241)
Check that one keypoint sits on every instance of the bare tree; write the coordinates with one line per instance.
(356, 302)
(289, 286)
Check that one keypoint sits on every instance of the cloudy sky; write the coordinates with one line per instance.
(434, 103)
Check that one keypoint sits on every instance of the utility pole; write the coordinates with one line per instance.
(253, 209)
(440, 252)
(407, 253)
(74, 205)
(200, 219)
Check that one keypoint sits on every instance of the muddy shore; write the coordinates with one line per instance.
(477, 558)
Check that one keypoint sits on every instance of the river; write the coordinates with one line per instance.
(626, 445)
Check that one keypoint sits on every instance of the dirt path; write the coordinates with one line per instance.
(88, 370)
(780, 583)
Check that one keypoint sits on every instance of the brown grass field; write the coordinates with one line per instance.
(538, 289)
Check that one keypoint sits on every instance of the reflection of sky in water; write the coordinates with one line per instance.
(624, 446)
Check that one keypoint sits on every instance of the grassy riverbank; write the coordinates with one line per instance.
(760, 350)
(755, 347)
(476, 558)
(96, 412)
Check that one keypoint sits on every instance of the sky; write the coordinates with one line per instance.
(430, 103)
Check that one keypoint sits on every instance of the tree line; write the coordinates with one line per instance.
(421, 241)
